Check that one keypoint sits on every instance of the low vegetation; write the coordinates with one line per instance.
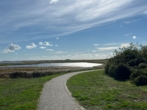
(21, 93)
(33, 72)
(129, 63)
(97, 91)
(20, 87)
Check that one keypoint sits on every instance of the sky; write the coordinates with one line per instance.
(69, 29)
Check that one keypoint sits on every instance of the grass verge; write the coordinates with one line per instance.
(97, 91)
(21, 93)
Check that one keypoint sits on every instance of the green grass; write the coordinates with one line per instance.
(21, 93)
(97, 91)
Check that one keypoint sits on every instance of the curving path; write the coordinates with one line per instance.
(55, 95)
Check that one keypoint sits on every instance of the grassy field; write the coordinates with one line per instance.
(21, 93)
(97, 91)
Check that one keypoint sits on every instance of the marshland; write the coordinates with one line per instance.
(20, 87)
(29, 69)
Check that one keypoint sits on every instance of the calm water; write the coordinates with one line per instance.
(77, 64)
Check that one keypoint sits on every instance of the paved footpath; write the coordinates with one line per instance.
(56, 96)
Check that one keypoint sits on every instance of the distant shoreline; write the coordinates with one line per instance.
(6, 63)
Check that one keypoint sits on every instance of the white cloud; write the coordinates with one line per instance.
(111, 47)
(96, 44)
(107, 48)
(49, 50)
(47, 44)
(31, 46)
(40, 43)
(134, 37)
(57, 38)
(56, 45)
(111, 44)
(11, 48)
(53, 1)
(43, 47)
(124, 45)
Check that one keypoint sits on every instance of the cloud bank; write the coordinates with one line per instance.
(110, 47)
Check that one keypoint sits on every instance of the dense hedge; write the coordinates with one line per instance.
(129, 63)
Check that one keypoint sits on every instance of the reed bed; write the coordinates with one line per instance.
(34, 72)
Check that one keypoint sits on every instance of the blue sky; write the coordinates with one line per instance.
(69, 29)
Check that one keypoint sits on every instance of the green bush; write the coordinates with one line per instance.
(140, 80)
(139, 77)
(134, 73)
(122, 72)
(111, 70)
(144, 53)
(134, 62)
(107, 68)
(119, 72)
(129, 63)
(143, 65)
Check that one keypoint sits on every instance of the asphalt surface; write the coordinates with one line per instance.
(56, 96)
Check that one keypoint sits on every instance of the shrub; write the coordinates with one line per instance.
(140, 80)
(122, 72)
(144, 53)
(112, 70)
(107, 68)
(129, 63)
(134, 62)
(119, 72)
(143, 65)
